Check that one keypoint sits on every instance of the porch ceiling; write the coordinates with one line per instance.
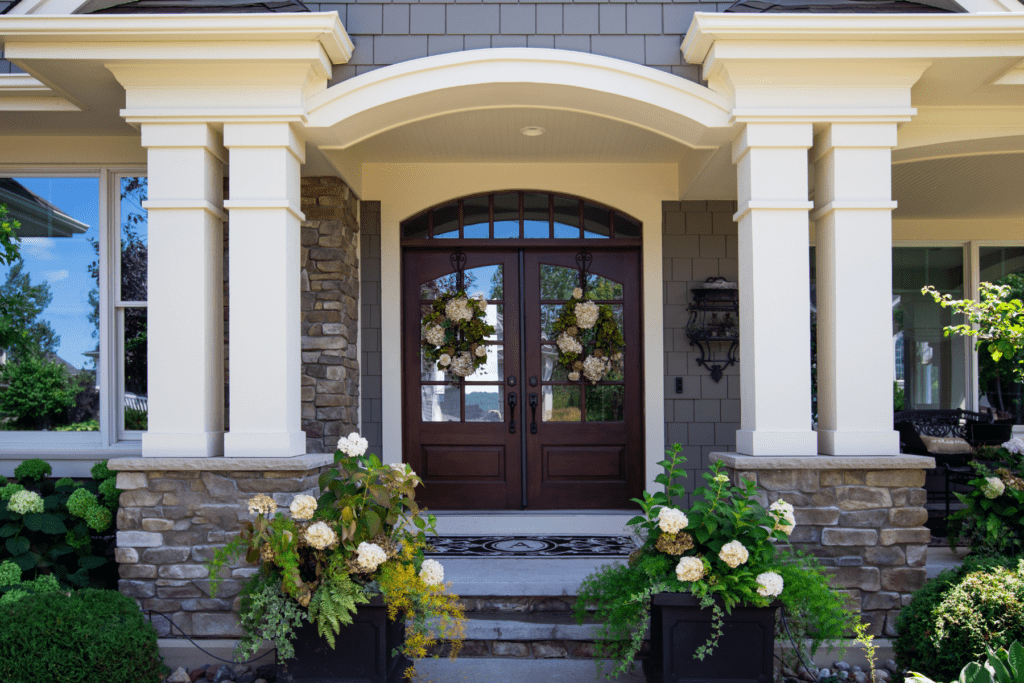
(966, 187)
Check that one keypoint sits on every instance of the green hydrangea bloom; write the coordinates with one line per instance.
(100, 471)
(33, 470)
(10, 573)
(25, 502)
(65, 483)
(80, 502)
(7, 491)
(110, 493)
(47, 583)
(98, 518)
(77, 540)
(13, 596)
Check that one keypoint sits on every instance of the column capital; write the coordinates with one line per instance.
(776, 134)
(266, 134)
(184, 134)
(850, 135)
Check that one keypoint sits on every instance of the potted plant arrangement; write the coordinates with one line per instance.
(708, 581)
(352, 565)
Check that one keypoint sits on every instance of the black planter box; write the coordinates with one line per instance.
(362, 652)
(745, 652)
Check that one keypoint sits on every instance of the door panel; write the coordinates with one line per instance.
(583, 442)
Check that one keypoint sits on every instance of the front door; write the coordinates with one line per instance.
(518, 433)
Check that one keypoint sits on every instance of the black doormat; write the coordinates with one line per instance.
(531, 546)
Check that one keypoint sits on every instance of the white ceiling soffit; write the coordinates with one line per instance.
(21, 92)
(965, 187)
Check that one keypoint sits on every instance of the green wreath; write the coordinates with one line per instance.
(453, 333)
(585, 325)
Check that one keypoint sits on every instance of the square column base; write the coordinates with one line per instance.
(264, 445)
(837, 442)
(758, 442)
(182, 444)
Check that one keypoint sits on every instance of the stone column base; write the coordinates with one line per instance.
(862, 516)
(176, 512)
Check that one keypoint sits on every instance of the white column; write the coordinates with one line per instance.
(185, 319)
(265, 361)
(774, 283)
(853, 220)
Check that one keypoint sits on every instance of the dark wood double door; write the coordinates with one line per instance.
(518, 433)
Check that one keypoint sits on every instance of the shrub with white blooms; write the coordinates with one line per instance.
(672, 521)
(25, 502)
(370, 556)
(690, 569)
(321, 535)
(1015, 445)
(303, 507)
(785, 520)
(432, 573)
(993, 487)
(733, 554)
(769, 584)
(353, 444)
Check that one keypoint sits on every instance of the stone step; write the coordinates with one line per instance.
(514, 670)
(519, 576)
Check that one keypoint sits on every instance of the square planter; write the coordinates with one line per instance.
(745, 652)
(362, 652)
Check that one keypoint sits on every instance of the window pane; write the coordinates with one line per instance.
(999, 392)
(626, 227)
(483, 404)
(440, 403)
(446, 221)
(134, 239)
(486, 280)
(494, 369)
(604, 403)
(550, 370)
(416, 228)
(596, 221)
(561, 403)
(557, 282)
(136, 405)
(603, 288)
(567, 218)
(506, 215)
(536, 217)
(51, 294)
(932, 367)
(476, 218)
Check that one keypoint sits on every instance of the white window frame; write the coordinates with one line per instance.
(109, 440)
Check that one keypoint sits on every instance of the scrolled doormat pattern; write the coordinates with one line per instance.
(531, 546)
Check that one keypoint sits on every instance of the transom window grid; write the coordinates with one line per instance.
(525, 216)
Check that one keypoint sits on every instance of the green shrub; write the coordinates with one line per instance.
(922, 646)
(89, 635)
(136, 419)
(992, 521)
(87, 426)
(51, 527)
(38, 392)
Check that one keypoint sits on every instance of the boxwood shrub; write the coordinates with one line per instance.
(952, 619)
(88, 635)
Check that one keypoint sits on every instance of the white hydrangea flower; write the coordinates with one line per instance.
(458, 309)
(481, 298)
(462, 365)
(785, 520)
(672, 521)
(574, 376)
(434, 334)
(445, 360)
(1015, 445)
(481, 351)
(369, 556)
(432, 573)
(594, 368)
(577, 293)
(586, 315)
(303, 507)
(263, 504)
(569, 344)
(769, 584)
(353, 445)
(992, 488)
(690, 569)
(733, 554)
(321, 535)
(25, 502)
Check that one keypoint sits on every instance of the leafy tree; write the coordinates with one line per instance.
(38, 392)
(21, 303)
(9, 241)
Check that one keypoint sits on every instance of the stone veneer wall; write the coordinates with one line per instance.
(176, 512)
(330, 312)
(699, 240)
(862, 516)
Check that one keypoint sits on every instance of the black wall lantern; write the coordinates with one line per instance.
(714, 324)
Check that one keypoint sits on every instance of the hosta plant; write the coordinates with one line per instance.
(320, 560)
(1001, 666)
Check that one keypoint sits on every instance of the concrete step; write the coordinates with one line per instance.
(513, 670)
(519, 576)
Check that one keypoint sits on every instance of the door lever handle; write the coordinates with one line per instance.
(512, 413)
(533, 407)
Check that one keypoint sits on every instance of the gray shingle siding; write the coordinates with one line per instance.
(637, 31)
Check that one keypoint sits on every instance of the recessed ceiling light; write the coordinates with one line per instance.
(532, 131)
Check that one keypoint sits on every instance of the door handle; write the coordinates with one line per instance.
(533, 419)
(512, 413)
